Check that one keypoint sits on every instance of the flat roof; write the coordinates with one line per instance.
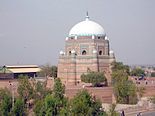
(21, 66)
(20, 69)
(24, 70)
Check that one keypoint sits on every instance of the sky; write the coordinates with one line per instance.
(34, 31)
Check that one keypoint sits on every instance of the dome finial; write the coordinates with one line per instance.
(87, 17)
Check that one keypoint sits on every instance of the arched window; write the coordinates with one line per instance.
(69, 52)
(100, 52)
(84, 52)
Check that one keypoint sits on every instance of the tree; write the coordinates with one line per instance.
(137, 72)
(58, 95)
(118, 76)
(5, 102)
(53, 71)
(125, 92)
(25, 89)
(116, 66)
(83, 104)
(59, 89)
(41, 91)
(112, 111)
(124, 89)
(19, 107)
(39, 108)
(96, 78)
(50, 105)
(53, 103)
(48, 71)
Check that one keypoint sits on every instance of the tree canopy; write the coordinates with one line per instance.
(83, 104)
(5, 102)
(120, 66)
(47, 103)
(25, 89)
(96, 78)
(124, 89)
(19, 107)
(137, 72)
(57, 104)
(52, 103)
(48, 71)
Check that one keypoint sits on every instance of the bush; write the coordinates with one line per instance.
(96, 78)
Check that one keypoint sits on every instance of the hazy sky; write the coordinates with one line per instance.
(34, 31)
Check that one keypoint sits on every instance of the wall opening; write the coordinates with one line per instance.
(69, 52)
(100, 52)
(84, 52)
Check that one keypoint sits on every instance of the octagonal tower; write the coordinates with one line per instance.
(86, 49)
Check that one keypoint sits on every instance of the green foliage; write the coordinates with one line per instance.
(5, 102)
(112, 111)
(124, 90)
(39, 108)
(153, 74)
(52, 104)
(65, 110)
(83, 105)
(116, 66)
(25, 89)
(19, 109)
(48, 70)
(119, 76)
(137, 72)
(94, 77)
(41, 91)
(55, 104)
(54, 71)
(59, 89)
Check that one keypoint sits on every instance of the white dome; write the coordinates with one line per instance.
(111, 52)
(61, 53)
(94, 51)
(87, 28)
(106, 38)
(73, 51)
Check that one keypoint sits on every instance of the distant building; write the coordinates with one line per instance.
(87, 49)
(7, 72)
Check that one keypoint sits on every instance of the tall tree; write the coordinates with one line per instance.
(5, 102)
(124, 89)
(19, 107)
(125, 92)
(59, 89)
(53, 104)
(25, 89)
(83, 104)
(41, 91)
